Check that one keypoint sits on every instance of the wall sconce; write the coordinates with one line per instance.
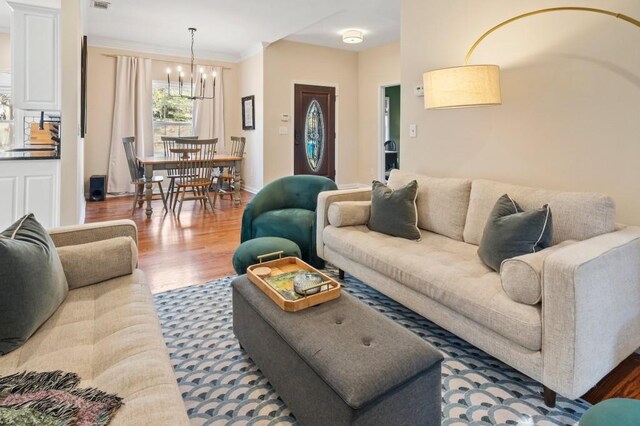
(479, 85)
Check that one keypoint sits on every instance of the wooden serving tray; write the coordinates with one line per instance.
(289, 264)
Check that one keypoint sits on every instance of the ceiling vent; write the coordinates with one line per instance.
(99, 4)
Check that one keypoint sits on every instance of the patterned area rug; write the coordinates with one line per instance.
(221, 385)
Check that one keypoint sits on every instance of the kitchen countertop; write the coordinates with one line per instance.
(29, 155)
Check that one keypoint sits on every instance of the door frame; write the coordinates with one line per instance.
(381, 141)
(292, 120)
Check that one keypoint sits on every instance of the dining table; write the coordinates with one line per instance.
(160, 162)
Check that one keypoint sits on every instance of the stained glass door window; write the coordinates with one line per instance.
(314, 135)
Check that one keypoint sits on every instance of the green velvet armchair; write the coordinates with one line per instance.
(286, 208)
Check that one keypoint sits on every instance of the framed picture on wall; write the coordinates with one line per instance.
(248, 113)
(83, 88)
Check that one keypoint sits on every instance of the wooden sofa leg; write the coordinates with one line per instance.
(549, 397)
(340, 274)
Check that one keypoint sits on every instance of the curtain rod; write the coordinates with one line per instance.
(109, 55)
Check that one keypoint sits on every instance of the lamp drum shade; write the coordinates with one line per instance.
(464, 86)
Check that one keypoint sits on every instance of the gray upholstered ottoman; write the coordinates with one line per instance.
(339, 363)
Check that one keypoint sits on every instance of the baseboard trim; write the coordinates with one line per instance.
(250, 189)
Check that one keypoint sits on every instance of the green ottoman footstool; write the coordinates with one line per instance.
(248, 252)
(617, 411)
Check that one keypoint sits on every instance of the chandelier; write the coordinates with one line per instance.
(196, 89)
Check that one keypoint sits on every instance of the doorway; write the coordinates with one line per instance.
(315, 136)
(390, 131)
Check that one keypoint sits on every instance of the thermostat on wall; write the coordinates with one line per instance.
(284, 117)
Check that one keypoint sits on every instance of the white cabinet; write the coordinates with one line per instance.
(30, 186)
(35, 56)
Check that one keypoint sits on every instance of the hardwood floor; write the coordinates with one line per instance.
(176, 253)
(199, 247)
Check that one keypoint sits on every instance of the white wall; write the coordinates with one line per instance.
(377, 67)
(252, 83)
(5, 52)
(286, 63)
(571, 90)
(72, 204)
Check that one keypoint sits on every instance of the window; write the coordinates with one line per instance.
(6, 112)
(171, 116)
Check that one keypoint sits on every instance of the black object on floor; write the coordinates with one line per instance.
(97, 188)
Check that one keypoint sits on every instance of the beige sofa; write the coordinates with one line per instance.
(108, 333)
(565, 316)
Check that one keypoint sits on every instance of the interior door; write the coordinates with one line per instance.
(315, 135)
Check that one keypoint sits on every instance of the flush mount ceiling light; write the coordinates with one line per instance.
(352, 36)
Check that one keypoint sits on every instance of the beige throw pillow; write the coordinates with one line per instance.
(522, 275)
(91, 263)
(349, 213)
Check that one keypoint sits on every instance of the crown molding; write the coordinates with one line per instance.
(112, 43)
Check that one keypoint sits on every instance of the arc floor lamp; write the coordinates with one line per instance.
(479, 85)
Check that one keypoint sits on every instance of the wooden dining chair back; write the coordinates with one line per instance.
(227, 176)
(169, 142)
(195, 169)
(130, 152)
(137, 175)
(237, 146)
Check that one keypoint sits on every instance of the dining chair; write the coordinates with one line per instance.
(195, 169)
(227, 176)
(137, 175)
(169, 142)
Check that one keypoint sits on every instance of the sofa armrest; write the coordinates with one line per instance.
(322, 212)
(590, 310)
(92, 232)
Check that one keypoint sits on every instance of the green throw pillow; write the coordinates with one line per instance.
(511, 232)
(394, 212)
(32, 282)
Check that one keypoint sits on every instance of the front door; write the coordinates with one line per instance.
(315, 136)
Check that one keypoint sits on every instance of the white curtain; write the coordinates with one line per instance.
(208, 115)
(132, 116)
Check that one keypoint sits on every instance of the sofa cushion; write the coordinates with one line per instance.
(109, 334)
(576, 215)
(445, 270)
(442, 202)
(393, 212)
(521, 276)
(512, 232)
(32, 282)
(91, 263)
(349, 213)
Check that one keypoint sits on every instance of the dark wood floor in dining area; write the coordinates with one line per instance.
(199, 247)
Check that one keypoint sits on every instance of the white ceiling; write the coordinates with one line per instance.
(233, 29)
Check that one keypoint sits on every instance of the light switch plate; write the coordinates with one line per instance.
(284, 117)
(418, 91)
(413, 130)
(284, 130)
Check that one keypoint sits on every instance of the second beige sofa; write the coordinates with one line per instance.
(108, 333)
(565, 316)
